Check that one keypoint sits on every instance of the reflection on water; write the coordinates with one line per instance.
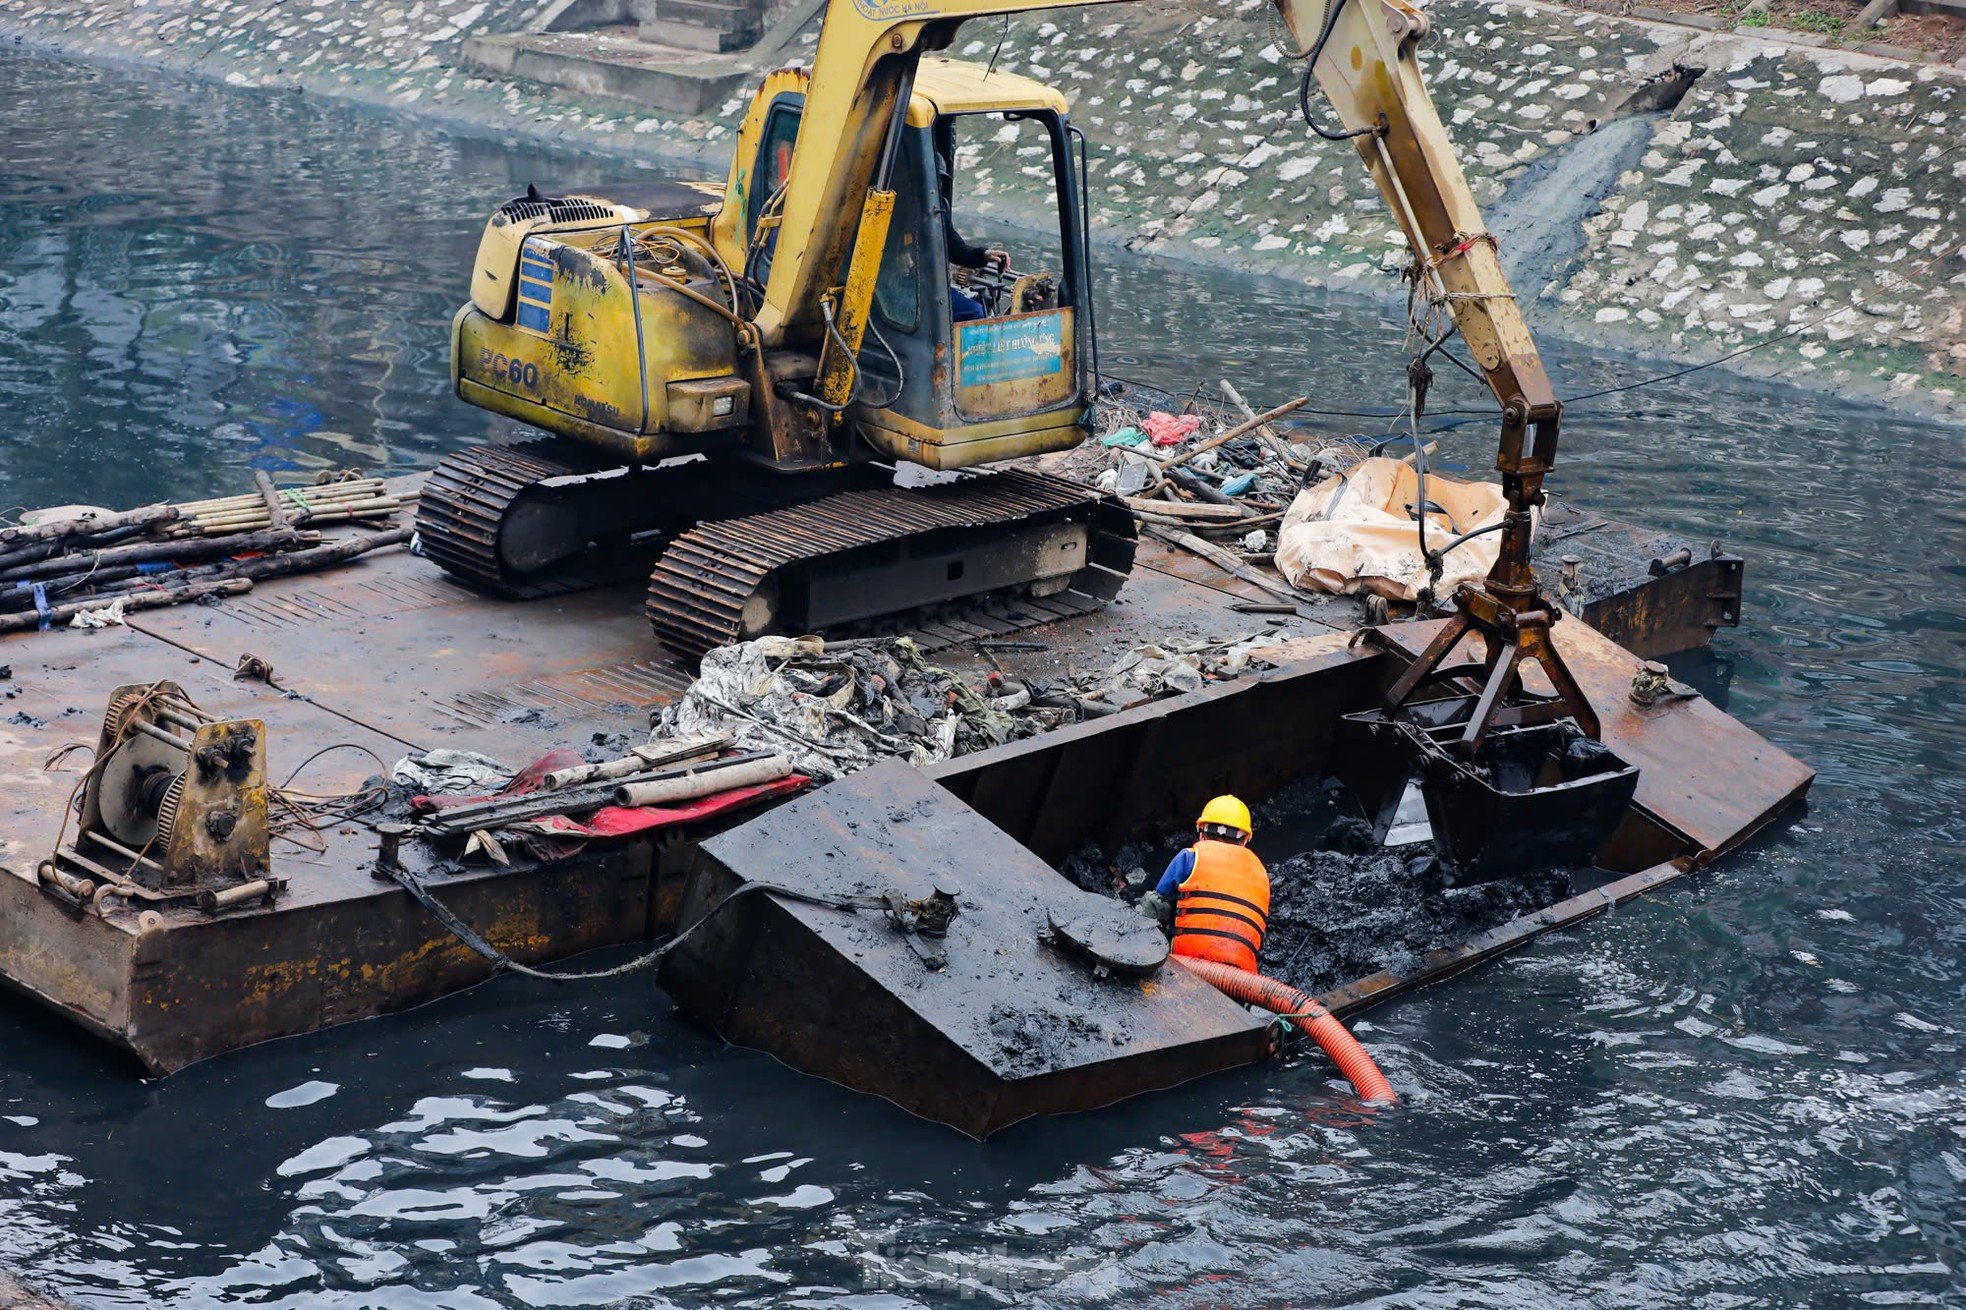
(196, 282)
(1742, 1092)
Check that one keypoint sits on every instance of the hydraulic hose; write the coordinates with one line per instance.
(1316, 1022)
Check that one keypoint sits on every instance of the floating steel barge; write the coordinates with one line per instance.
(386, 656)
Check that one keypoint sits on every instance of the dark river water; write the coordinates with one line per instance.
(1742, 1092)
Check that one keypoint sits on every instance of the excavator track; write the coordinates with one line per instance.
(859, 556)
(469, 501)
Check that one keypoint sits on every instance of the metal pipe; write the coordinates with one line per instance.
(643, 759)
(1665, 564)
(1085, 260)
(135, 857)
(156, 733)
(451, 820)
(705, 782)
(635, 304)
(49, 876)
(896, 123)
(181, 720)
(211, 902)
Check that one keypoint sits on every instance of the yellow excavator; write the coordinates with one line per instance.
(733, 375)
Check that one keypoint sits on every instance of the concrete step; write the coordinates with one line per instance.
(731, 14)
(714, 25)
(666, 77)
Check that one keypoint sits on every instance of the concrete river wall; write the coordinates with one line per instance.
(1684, 192)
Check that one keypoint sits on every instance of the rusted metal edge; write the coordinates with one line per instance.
(18, 1294)
(1762, 820)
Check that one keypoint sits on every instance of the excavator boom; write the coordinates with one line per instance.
(1360, 52)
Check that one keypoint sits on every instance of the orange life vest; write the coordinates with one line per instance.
(1223, 907)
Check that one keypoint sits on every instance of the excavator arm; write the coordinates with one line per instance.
(1362, 52)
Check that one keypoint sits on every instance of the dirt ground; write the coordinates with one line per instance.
(1934, 34)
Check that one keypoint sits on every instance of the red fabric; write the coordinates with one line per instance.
(1167, 430)
(557, 836)
(612, 822)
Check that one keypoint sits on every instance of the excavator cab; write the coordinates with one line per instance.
(987, 362)
(960, 365)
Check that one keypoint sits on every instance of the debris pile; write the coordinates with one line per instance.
(835, 707)
(1214, 479)
(1215, 465)
(85, 567)
(1170, 668)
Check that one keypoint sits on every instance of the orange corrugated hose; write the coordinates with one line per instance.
(1299, 1007)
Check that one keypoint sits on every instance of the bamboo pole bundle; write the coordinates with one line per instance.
(163, 554)
(145, 552)
(358, 500)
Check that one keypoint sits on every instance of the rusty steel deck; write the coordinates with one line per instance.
(385, 656)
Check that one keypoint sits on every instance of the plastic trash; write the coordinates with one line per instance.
(449, 772)
(1237, 485)
(109, 615)
(1355, 532)
(1126, 436)
(1167, 430)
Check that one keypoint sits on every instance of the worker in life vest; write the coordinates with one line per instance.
(1217, 889)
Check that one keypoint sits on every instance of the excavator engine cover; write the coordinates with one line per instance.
(641, 376)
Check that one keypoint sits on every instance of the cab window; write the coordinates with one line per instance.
(897, 289)
(774, 161)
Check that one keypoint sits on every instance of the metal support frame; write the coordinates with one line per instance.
(1507, 610)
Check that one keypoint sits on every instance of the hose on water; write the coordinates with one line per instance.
(1301, 1009)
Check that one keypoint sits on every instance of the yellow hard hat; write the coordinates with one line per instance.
(1227, 811)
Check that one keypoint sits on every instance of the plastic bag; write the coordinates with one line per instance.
(1355, 531)
(1167, 430)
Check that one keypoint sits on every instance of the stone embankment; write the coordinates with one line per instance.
(1682, 191)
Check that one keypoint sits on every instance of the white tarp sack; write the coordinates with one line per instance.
(1355, 531)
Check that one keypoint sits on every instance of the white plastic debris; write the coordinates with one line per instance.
(449, 772)
(1355, 532)
(1171, 668)
(831, 711)
(109, 616)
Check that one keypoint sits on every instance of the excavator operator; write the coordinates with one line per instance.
(963, 307)
(1218, 890)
